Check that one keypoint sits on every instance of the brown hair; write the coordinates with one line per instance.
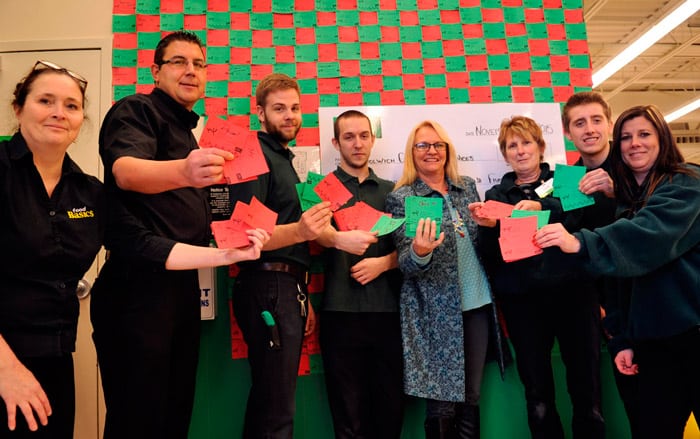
(584, 98)
(347, 115)
(24, 86)
(271, 83)
(522, 126)
(670, 160)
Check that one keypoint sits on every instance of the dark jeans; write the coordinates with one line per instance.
(55, 374)
(570, 315)
(271, 404)
(363, 363)
(476, 337)
(669, 385)
(146, 332)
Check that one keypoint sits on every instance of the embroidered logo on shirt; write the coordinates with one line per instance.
(80, 212)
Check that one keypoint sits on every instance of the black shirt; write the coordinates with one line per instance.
(526, 274)
(47, 246)
(277, 191)
(342, 292)
(152, 127)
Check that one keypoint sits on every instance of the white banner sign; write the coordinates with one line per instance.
(472, 127)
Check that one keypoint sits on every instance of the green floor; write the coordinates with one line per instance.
(223, 383)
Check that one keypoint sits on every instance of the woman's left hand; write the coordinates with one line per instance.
(528, 205)
(555, 235)
(425, 242)
(474, 210)
(624, 361)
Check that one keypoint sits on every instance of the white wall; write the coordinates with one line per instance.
(27, 20)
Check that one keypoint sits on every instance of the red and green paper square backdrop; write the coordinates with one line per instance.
(362, 52)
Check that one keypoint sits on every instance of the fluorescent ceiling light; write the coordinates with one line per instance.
(683, 110)
(670, 22)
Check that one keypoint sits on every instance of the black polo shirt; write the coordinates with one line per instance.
(47, 246)
(342, 292)
(277, 191)
(152, 127)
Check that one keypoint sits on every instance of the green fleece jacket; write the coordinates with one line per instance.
(658, 249)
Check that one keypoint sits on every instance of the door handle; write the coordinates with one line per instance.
(82, 290)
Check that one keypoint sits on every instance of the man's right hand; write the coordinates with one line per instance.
(598, 180)
(205, 166)
(314, 221)
(355, 242)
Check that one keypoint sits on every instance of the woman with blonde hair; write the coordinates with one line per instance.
(445, 302)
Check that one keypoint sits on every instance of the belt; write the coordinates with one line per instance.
(295, 270)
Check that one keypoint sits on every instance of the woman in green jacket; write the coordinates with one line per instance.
(655, 244)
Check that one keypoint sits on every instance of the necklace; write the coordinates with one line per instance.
(457, 220)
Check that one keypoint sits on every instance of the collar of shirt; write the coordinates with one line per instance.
(18, 151)
(275, 145)
(344, 177)
(423, 190)
(182, 113)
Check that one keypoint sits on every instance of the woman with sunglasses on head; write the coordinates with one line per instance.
(445, 301)
(654, 248)
(51, 228)
(531, 296)
(52, 223)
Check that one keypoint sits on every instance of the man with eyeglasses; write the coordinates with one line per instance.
(147, 319)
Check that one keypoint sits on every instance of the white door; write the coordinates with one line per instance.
(14, 66)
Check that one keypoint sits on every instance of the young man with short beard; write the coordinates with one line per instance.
(277, 281)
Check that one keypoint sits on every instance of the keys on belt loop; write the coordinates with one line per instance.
(301, 297)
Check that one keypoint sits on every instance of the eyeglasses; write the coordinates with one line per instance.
(425, 146)
(41, 65)
(179, 62)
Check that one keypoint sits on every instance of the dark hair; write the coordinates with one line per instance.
(583, 98)
(670, 160)
(274, 82)
(24, 86)
(175, 36)
(347, 115)
(522, 126)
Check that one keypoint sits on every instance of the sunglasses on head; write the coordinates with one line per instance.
(41, 65)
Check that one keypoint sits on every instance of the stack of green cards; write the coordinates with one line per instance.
(418, 208)
(542, 216)
(566, 180)
(305, 191)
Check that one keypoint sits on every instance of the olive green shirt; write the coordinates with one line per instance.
(342, 292)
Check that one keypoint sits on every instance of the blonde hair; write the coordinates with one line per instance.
(410, 174)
